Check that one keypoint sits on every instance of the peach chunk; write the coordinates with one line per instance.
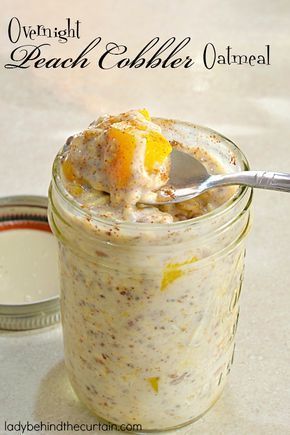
(119, 168)
(125, 138)
(145, 113)
(68, 171)
(173, 271)
(157, 149)
(154, 382)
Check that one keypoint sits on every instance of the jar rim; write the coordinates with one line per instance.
(179, 225)
(44, 311)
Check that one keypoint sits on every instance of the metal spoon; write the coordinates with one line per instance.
(189, 178)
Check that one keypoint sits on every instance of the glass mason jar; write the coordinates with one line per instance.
(150, 311)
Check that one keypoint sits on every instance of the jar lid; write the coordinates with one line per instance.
(29, 289)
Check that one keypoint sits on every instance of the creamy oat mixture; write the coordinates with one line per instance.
(149, 300)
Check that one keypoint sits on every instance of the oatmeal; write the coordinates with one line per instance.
(149, 295)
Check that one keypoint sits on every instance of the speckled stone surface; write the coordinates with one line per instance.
(251, 105)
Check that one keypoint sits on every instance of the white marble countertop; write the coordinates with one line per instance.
(251, 105)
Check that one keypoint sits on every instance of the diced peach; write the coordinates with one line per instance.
(154, 382)
(119, 168)
(157, 149)
(68, 171)
(76, 189)
(173, 271)
(145, 113)
(125, 136)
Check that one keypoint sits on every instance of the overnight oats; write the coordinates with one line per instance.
(149, 294)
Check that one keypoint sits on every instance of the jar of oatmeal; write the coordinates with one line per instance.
(150, 311)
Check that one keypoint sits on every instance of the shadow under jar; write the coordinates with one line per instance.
(150, 311)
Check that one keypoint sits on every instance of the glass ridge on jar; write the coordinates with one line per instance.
(150, 311)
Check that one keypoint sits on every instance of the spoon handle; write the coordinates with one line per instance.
(258, 179)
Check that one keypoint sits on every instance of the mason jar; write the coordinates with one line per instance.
(150, 311)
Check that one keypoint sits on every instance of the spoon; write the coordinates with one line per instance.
(189, 178)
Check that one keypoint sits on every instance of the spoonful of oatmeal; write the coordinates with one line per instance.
(121, 164)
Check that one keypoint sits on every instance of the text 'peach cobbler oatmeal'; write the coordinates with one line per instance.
(149, 294)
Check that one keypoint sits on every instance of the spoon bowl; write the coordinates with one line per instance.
(189, 178)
